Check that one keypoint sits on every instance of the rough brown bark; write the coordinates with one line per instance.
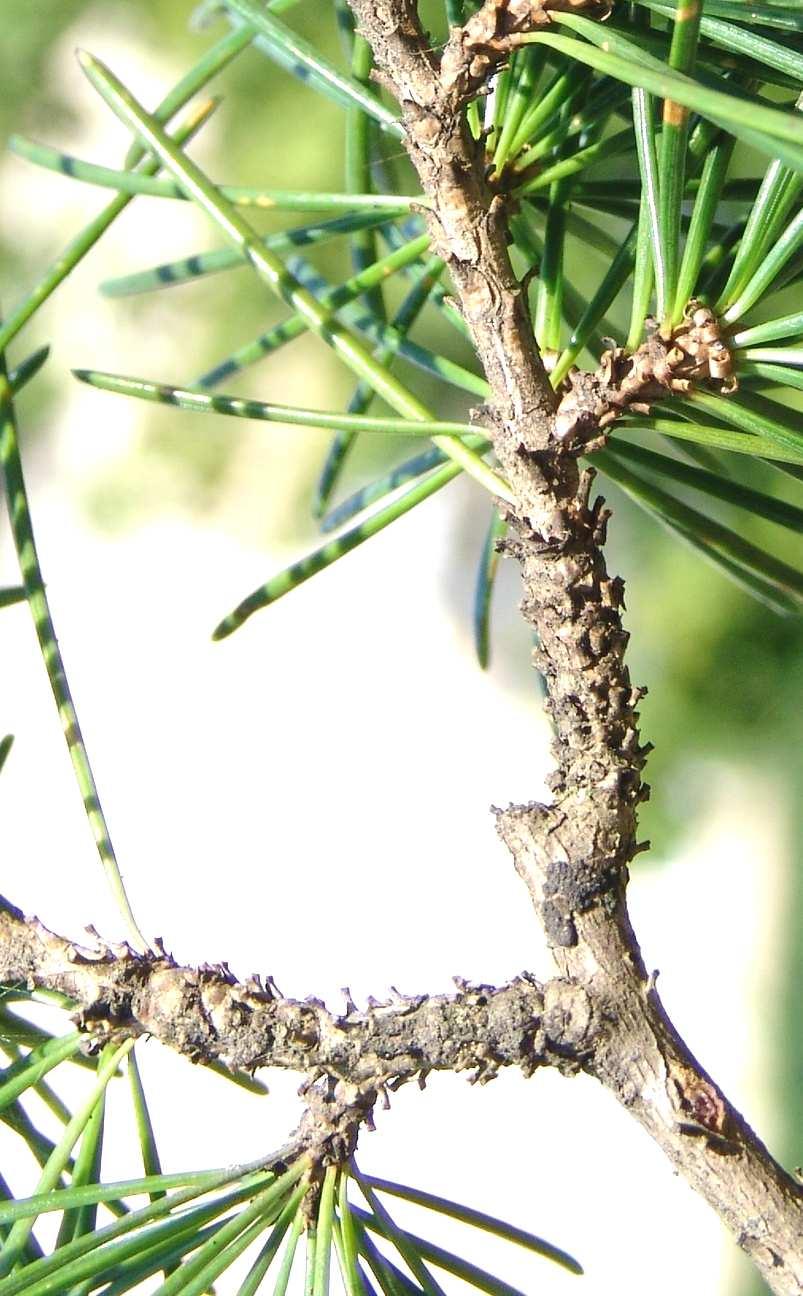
(574, 853)
(207, 1015)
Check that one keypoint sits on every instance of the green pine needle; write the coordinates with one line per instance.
(328, 553)
(483, 590)
(300, 58)
(765, 576)
(11, 594)
(710, 435)
(286, 1267)
(42, 1059)
(714, 485)
(403, 320)
(788, 326)
(478, 1219)
(25, 544)
(200, 264)
(409, 470)
(201, 402)
(134, 182)
(12, 1248)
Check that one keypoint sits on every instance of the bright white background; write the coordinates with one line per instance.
(310, 798)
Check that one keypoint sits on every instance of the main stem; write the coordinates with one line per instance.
(573, 854)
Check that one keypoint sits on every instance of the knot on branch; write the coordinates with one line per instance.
(335, 1111)
(474, 50)
(694, 352)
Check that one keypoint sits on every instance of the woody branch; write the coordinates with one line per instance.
(601, 1012)
(574, 853)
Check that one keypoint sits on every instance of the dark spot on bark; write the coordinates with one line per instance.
(558, 924)
(571, 888)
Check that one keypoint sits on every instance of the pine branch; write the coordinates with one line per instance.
(601, 1014)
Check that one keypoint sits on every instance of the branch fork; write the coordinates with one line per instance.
(695, 352)
(475, 50)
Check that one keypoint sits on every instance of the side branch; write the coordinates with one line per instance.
(209, 1016)
(617, 1032)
